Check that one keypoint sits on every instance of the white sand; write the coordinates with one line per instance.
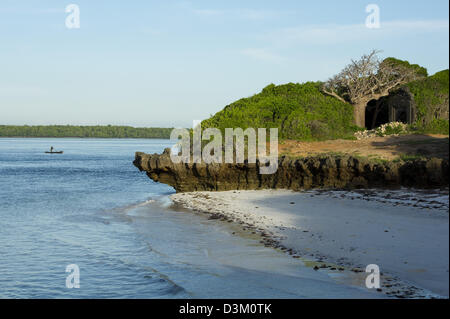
(405, 233)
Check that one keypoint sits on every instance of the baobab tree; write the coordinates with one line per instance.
(370, 79)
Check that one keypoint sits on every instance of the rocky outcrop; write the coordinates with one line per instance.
(296, 174)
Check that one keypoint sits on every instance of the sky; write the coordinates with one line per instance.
(167, 63)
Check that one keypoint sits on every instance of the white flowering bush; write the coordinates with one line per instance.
(392, 128)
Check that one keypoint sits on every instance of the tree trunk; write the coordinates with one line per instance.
(359, 111)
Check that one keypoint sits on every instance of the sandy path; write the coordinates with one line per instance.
(389, 147)
(405, 233)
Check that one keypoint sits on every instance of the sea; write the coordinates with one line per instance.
(88, 224)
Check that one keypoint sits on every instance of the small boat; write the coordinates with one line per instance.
(53, 152)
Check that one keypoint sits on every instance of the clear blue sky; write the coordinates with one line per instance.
(166, 63)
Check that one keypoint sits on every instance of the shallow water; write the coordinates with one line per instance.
(91, 207)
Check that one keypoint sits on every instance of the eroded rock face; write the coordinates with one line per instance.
(296, 174)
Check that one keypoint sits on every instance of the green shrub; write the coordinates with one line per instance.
(431, 96)
(299, 111)
(435, 126)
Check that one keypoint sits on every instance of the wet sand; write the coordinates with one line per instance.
(404, 232)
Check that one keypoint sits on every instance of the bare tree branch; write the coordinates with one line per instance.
(333, 93)
(367, 79)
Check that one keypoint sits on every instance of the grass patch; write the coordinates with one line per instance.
(411, 157)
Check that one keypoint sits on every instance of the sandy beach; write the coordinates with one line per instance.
(404, 232)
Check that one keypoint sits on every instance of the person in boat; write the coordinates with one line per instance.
(51, 149)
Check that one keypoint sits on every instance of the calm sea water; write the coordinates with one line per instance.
(92, 207)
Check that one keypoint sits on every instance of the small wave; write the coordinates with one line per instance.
(124, 209)
(144, 203)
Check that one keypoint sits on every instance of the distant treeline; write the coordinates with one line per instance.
(108, 131)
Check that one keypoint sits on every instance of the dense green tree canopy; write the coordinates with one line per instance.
(84, 131)
(419, 70)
